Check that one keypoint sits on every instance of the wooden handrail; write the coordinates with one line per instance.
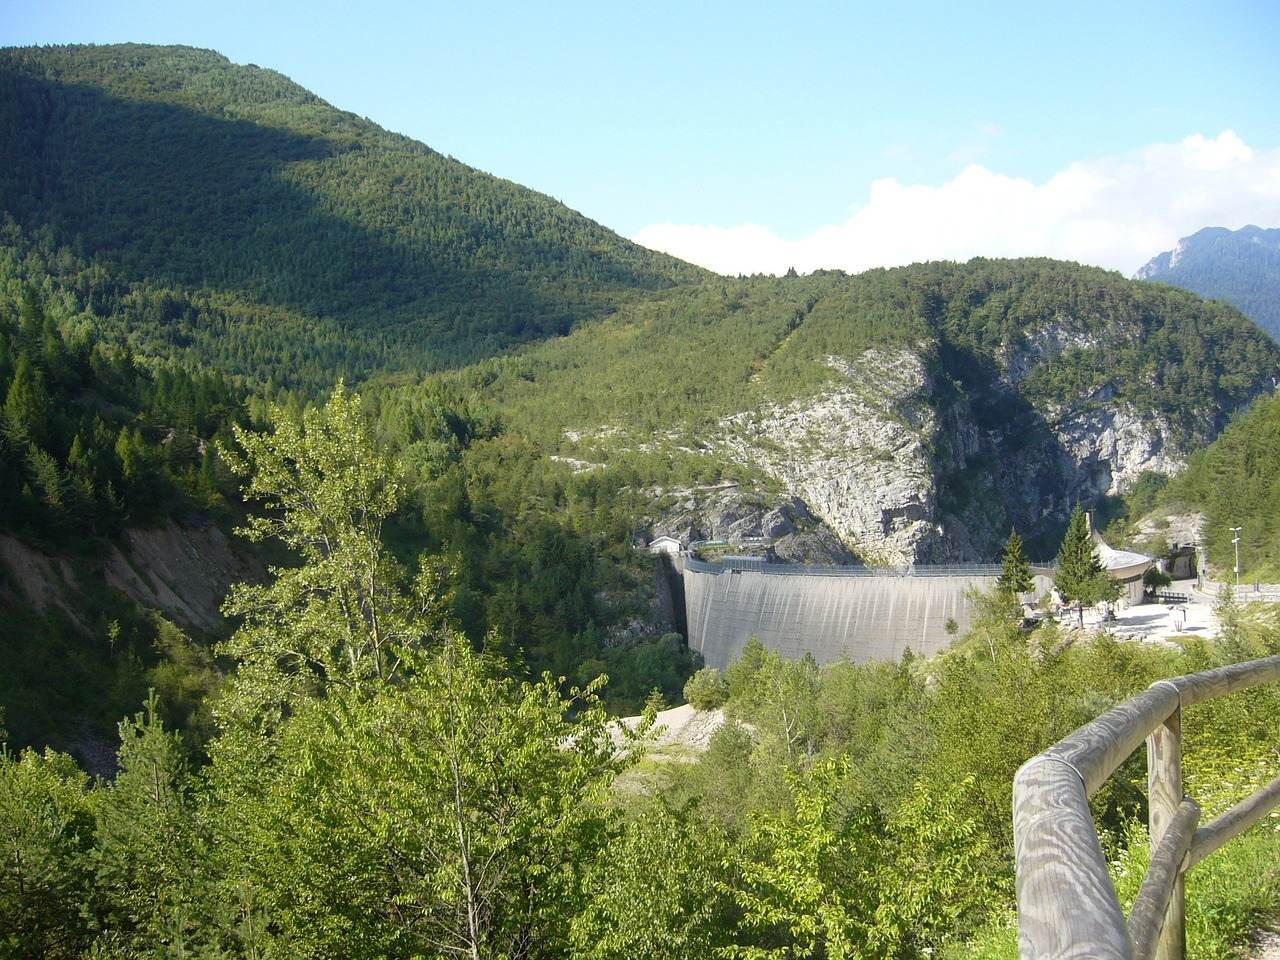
(1067, 904)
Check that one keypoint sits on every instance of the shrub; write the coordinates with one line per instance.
(707, 689)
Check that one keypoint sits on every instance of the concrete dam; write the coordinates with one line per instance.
(830, 612)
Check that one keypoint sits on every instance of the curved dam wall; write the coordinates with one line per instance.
(829, 614)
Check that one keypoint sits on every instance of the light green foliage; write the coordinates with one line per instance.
(811, 892)
(340, 618)
(833, 876)
(937, 876)
(741, 672)
(659, 892)
(996, 623)
(782, 705)
(374, 789)
(723, 781)
(151, 850)
(987, 718)
(46, 833)
(453, 810)
(707, 689)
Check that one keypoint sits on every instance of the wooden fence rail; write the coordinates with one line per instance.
(1067, 904)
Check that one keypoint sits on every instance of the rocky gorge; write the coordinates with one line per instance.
(890, 468)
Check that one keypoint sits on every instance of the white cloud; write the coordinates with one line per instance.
(1115, 212)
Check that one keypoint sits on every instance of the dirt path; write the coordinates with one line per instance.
(1268, 947)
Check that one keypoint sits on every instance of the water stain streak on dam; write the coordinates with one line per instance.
(826, 612)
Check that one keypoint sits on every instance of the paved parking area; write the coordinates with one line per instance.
(1159, 622)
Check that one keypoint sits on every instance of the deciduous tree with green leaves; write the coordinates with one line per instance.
(339, 618)
(381, 787)
(812, 893)
(450, 812)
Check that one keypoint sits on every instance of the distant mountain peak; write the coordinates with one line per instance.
(1241, 267)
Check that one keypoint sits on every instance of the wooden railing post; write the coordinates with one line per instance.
(1164, 786)
(1067, 903)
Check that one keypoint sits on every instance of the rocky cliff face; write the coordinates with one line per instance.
(729, 513)
(1108, 448)
(858, 455)
(898, 476)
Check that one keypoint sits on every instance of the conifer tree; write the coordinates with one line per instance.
(1017, 577)
(1081, 578)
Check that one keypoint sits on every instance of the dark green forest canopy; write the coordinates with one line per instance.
(174, 168)
(998, 335)
(1235, 482)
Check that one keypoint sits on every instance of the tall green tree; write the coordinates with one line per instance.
(381, 788)
(151, 860)
(1016, 576)
(1081, 578)
(452, 812)
(46, 835)
(26, 405)
(339, 617)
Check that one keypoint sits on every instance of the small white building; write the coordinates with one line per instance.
(664, 544)
(1125, 566)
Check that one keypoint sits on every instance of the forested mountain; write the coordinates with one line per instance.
(227, 215)
(395, 745)
(1241, 267)
(919, 411)
(186, 239)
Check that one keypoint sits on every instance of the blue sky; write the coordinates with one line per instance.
(753, 137)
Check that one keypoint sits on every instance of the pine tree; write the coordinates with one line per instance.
(1081, 578)
(1017, 577)
(26, 406)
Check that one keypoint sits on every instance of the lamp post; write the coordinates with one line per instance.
(1236, 541)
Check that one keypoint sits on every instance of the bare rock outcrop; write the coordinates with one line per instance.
(1112, 446)
(858, 455)
(729, 513)
(184, 571)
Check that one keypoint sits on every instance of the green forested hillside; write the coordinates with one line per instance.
(682, 358)
(91, 441)
(1235, 482)
(1009, 347)
(94, 441)
(262, 212)
(376, 787)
